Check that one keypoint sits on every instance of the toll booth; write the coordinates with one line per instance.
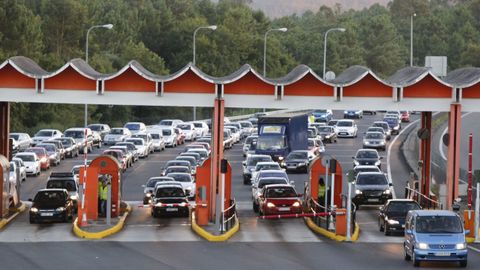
(4, 186)
(319, 170)
(100, 166)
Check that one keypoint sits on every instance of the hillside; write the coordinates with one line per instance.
(279, 8)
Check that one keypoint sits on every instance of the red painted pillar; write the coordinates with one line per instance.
(453, 160)
(425, 154)
(217, 153)
(5, 129)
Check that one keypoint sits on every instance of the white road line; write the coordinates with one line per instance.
(440, 143)
(475, 249)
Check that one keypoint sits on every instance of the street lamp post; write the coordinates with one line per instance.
(283, 29)
(107, 26)
(213, 28)
(325, 48)
(411, 38)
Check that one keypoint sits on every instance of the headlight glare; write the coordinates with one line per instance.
(422, 245)
(461, 246)
(270, 205)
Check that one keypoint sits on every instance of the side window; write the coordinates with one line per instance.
(412, 223)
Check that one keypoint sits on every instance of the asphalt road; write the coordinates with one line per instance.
(169, 243)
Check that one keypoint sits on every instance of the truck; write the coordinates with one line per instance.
(280, 134)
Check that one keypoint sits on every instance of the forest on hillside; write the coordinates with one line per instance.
(159, 33)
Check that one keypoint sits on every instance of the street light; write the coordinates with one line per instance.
(283, 29)
(107, 26)
(211, 27)
(411, 38)
(325, 48)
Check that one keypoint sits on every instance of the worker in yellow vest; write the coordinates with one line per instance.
(102, 197)
(311, 118)
(321, 191)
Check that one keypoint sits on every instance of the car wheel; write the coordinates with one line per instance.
(380, 226)
(386, 230)
(463, 264)
(245, 181)
(415, 262)
(32, 221)
(406, 257)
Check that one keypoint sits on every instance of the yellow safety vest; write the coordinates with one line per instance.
(103, 192)
(321, 190)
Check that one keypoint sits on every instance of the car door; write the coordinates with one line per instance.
(410, 227)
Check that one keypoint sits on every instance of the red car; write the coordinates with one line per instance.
(42, 155)
(279, 199)
(405, 116)
(118, 154)
(180, 136)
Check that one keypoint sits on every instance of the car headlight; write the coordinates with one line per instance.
(422, 245)
(366, 142)
(60, 209)
(296, 204)
(280, 158)
(387, 191)
(159, 204)
(355, 162)
(270, 205)
(34, 210)
(302, 164)
(74, 197)
(393, 222)
(396, 128)
(345, 112)
(377, 162)
(358, 191)
(382, 143)
(148, 195)
(461, 246)
(43, 159)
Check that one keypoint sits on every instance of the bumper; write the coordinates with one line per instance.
(282, 210)
(362, 199)
(441, 255)
(49, 216)
(171, 211)
(45, 165)
(297, 168)
(374, 146)
(346, 134)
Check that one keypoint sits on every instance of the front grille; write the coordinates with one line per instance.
(372, 193)
(442, 246)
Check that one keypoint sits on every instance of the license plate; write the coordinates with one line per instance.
(373, 200)
(343, 133)
(46, 214)
(442, 253)
(284, 209)
(171, 209)
(291, 167)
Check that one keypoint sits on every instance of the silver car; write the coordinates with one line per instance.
(375, 140)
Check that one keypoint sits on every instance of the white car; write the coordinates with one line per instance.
(189, 131)
(157, 139)
(22, 140)
(45, 134)
(201, 128)
(262, 166)
(170, 137)
(142, 148)
(346, 128)
(23, 170)
(236, 136)
(117, 135)
(187, 182)
(78, 134)
(147, 137)
(31, 161)
(247, 128)
(169, 123)
(136, 127)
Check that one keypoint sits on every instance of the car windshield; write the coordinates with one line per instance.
(345, 124)
(152, 182)
(95, 127)
(48, 147)
(184, 127)
(391, 120)
(166, 123)
(374, 136)
(439, 224)
(26, 157)
(264, 182)
(270, 142)
(281, 192)
(245, 124)
(180, 177)
(166, 132)
(177, 163)
(197, 125)
(371, 179)
(74, 133)
(155, 136)
(279, 173)
(44, 133)
(249, 140)
(50, 198)
(69, 185)
(297, 155)
(402, 207)
(325, 129)
(384, 126)
(273, 166)
(66, 142)
(369, 169)
(177, 169)
(254, 160)
(169, 192)
(15, 136)
(132, 126)
(116, 131)
(367, 154)
(375, 129)
(136, 142)
(39, 151)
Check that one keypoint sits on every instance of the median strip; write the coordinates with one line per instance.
(16, 212)
(211, 237)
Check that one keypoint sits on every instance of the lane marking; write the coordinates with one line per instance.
(440, 143)
(474, 249)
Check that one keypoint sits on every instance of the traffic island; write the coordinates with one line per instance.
(98, 229)
(331, 235)
(208, 232)
(12, 214)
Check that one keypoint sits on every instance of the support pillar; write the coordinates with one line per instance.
(425, 154)
(5, 129)
(217, 154)
(453, 160)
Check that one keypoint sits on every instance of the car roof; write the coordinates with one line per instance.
(175, 167)
(51, 189)
(273, 177)
(267, 163)
(374, 132)
(279, 185)
(365, 167)
(434, 213)
(376, 173)
(25, 154)
(256, 156)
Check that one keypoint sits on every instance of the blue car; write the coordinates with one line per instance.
(435, 235)
(322, 115)
(358, 114)
(394, 124)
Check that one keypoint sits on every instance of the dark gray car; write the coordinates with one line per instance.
(371, 188)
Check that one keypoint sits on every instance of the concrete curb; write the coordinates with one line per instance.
(20, 209)
(214, 238)
(99, 235)
(410, 158)
(331, 235)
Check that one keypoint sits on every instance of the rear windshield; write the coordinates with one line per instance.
(281, 192)
(184, 127)
(166, 132)
(371, 179)
(155, 136)
(273, 174)
(268, 167)
(197, 125)
(74, 133)
(26, 157)
(48, 147)
(44, 133)
(181, 177)
(95, 127)
(14, 136)
(367, 154)
(170, 192)
(50, 198)
(344, 123)
(166, 123)
(116, 131)
(374, 136)
(265, 182)
(253, 161)
(245, 124)
(439, 224)
(133, 126)
(181, 169)
(66, 142)
(402, 207)
(136, 142)
(69, 185)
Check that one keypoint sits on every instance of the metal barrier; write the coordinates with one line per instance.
(321, 221)
(353, 219)
(229, 216)
(424, 201)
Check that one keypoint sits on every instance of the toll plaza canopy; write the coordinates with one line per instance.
(411, 88)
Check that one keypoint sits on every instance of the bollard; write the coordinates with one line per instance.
(349, 213)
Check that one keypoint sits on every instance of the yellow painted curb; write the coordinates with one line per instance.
(99, 235)
(331, 235)
(214, 238)
(21, 208)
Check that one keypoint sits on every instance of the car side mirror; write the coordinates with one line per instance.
(353, 157)
(381, 158)
(30, 199)
(292, 183)
(390, 184)
(408, 232)
(381, 208)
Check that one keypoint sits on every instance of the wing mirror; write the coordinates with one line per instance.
(30, 199)
(292, 183)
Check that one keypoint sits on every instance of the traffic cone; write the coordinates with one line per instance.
(84, 222)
